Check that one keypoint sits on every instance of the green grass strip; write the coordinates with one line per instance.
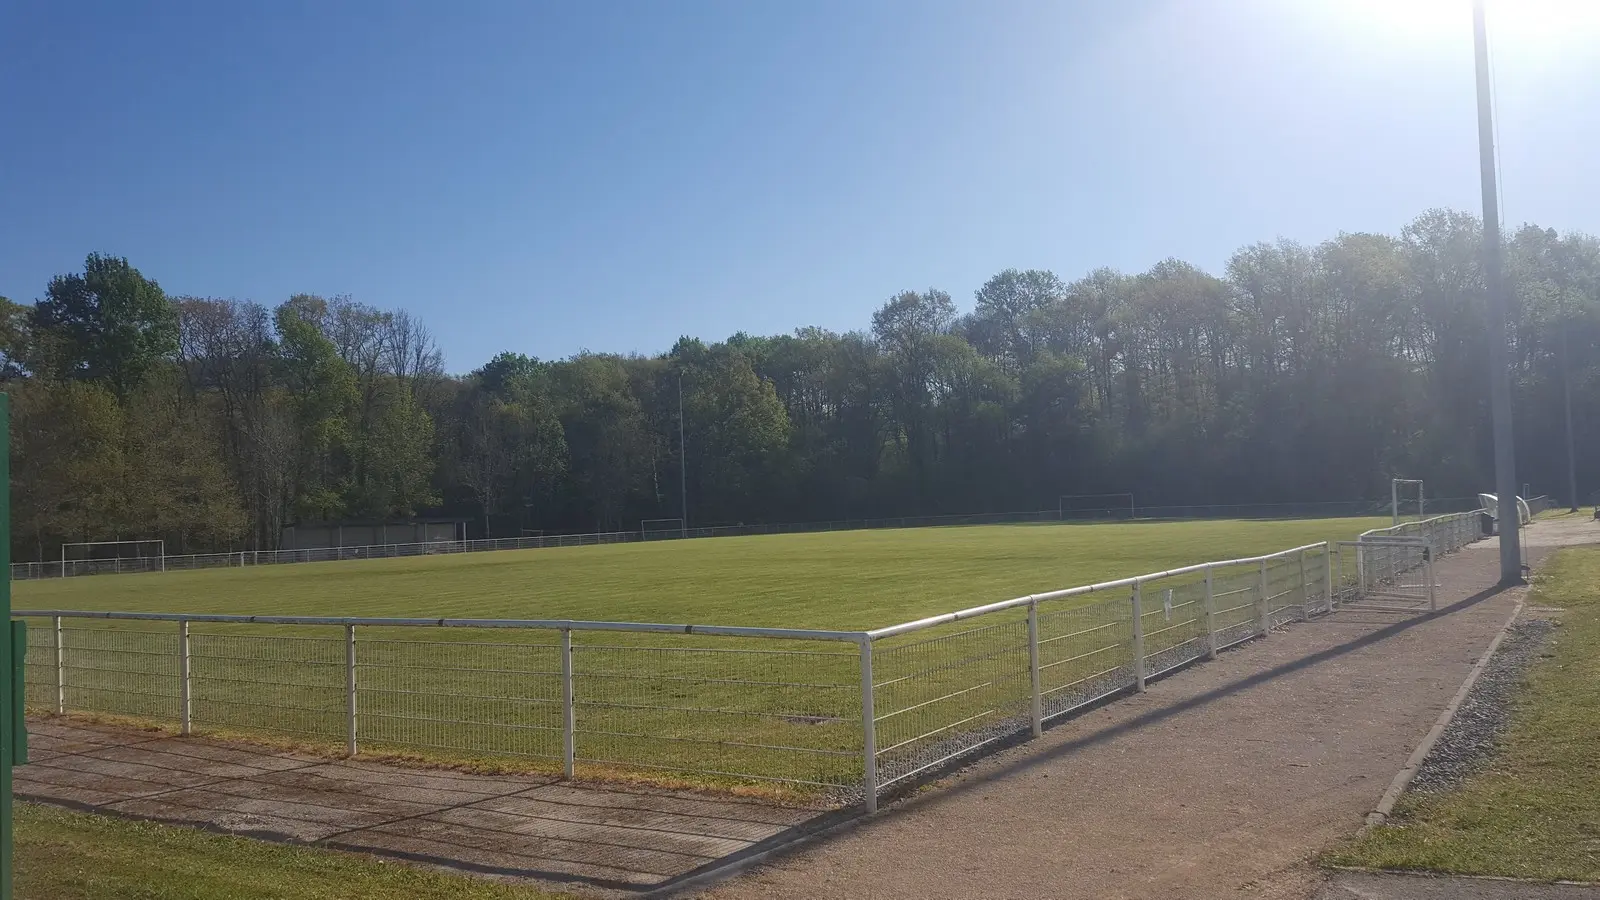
(1534, 810)
(64, 855)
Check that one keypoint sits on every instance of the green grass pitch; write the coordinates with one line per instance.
(835, 580)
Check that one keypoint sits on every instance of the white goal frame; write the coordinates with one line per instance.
(1061, 503)
(1395, 484)
(161, 551)
(645, 531)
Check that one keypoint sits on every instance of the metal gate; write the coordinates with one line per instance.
(1391, 573)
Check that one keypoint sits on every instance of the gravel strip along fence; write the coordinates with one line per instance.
(1470, 738)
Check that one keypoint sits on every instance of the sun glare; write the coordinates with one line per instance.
(1543, 32)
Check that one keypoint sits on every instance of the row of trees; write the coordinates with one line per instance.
(1299, 373)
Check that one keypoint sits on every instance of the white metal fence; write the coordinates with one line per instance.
(851, 714)
(242, 558)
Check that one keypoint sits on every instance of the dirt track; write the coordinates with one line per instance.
(1222, 781)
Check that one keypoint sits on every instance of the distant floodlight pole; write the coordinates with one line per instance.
(1505, 466)
(683, 468)
(1572, 458)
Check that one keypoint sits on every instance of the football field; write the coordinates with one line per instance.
(842, 580)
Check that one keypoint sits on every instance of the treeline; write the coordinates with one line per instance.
(1299, 373)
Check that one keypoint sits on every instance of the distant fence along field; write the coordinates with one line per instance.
(550, 660)
(24, 571)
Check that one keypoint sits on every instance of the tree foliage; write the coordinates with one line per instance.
(1297, 373)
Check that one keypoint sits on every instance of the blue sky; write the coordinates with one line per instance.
(551, 177)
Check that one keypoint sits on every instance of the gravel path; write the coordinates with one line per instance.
(1471, 735)
(1220, 782)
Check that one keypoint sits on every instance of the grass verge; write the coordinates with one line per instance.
(64, 855)
(1533, 811)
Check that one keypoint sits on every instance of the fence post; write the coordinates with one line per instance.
(569, 717)
(1211, 618)
(1033, 667)
(186, 703)
(869, 731)
(1427, 564)
(61, 667)
(1327, 584)
(350, 690)
(1263, 605)
(1305, 591)
(1138, 641)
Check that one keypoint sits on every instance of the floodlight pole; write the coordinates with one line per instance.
(1505, 467)
(13, 747)
(683, 468)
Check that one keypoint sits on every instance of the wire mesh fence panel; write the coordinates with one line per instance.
(123, 671)
(1174, 621)
(1285, 591)
(1319, 598)
(937, 697)
(1085, 652)
(283, 682)
(765, 710)
(41, 672)
(1236, 601)
(480, 693)
(1394, 572)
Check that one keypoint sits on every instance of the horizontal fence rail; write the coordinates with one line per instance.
(844, 714)
(23, 571)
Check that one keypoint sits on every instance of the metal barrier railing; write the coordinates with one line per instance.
(847, 713)
(1445, 534)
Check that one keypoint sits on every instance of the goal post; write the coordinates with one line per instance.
(139, 547)
(1108, 506)
(662, 528)
(1404, 494)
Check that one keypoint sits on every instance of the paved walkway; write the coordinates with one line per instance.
(620, 838)
(1222, 781)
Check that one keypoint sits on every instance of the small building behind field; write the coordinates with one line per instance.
(362, 533)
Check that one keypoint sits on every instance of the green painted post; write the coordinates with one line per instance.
(11, 736)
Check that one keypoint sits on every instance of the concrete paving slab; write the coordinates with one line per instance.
(213, 813)
(493, 852)
(532, 805)
(519, 826)
(647, 799)
(204, 805)
(115, 780)
(621, 838)
(170, 756)
(336, 780)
